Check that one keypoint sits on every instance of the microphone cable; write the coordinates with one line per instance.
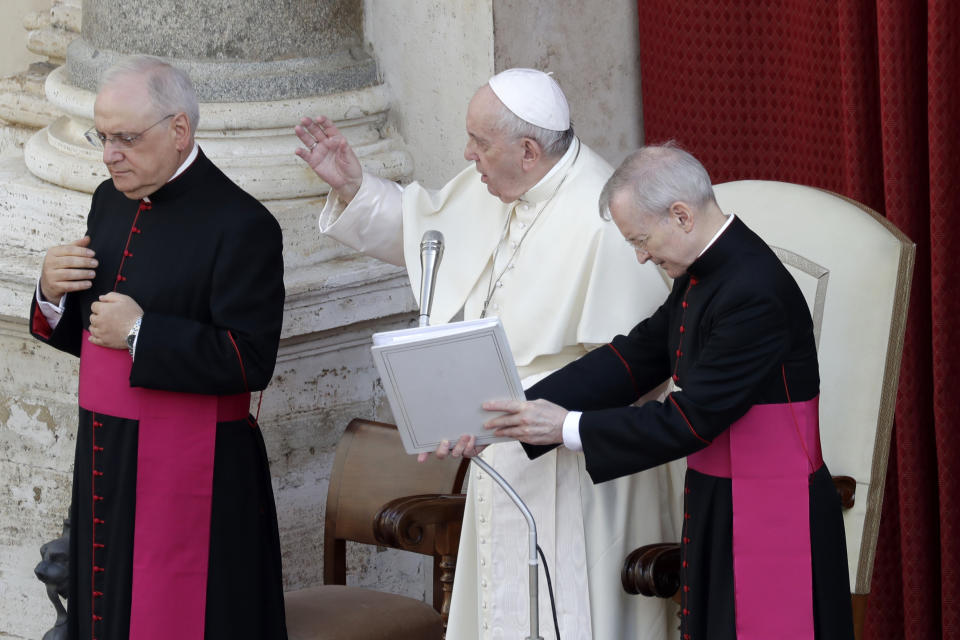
(553, 604)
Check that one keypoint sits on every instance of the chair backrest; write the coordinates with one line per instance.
(371, 468)
(854, 268)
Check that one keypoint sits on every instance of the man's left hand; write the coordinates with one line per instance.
(111, 319)
(533, 422)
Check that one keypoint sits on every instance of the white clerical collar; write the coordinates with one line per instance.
(717, 234)
(183, 167)
(187, 162)
(548, 184)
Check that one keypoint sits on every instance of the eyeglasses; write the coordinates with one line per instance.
(123, 140)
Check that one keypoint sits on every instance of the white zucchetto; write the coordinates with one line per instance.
(533, 96)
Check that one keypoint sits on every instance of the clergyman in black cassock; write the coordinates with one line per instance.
(202, 260)
(736, 337)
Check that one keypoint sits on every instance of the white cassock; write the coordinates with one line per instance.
(569, 281)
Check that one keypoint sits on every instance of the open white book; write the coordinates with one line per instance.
(437, 377)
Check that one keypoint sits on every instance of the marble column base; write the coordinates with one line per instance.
(252, 142)
(49, 33)
(23, 102)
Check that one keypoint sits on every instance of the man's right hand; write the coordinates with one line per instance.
(67, 268)
(465, 447)
(329, 154)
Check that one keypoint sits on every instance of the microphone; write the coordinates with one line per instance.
(431, 250)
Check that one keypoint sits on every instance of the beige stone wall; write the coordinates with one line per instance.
(14, 56)
(593, 48)
(432, 55)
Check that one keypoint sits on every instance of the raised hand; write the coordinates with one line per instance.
(329, 154)
(67, 268)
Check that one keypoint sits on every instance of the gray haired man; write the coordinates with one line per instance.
(173, 301)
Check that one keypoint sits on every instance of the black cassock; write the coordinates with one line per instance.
(205, 263)
(734, 333)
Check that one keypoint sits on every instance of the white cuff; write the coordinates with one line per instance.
(372, 223)
(571, 431)
(52, 312)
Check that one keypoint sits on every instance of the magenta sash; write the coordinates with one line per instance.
(171, 540)
(769, 454)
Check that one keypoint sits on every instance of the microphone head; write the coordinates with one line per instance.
(432, 239)
(431, 251)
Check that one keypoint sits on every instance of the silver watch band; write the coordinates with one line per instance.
(132, 336)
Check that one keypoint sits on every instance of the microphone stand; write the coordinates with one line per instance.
(532, 562)
(431, 252)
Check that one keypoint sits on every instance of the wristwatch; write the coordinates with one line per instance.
(132, 336)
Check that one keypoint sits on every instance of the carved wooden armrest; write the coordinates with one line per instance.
(652, 570)
(847, 488)
(402, 522)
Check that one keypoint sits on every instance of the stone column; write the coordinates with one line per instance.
(259, 66)
(23, 105)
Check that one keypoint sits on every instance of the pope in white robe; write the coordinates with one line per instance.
(524, 241)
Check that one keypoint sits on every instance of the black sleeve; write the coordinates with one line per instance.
(747, 339)
(614, 375)
(237, 350)
(68, 335)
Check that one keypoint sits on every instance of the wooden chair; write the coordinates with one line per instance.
(854, 268)
(380, 495)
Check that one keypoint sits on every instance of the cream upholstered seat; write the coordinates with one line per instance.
(854, 268)
(378, 494)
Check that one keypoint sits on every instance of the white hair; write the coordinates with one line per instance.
(656, 177)
(553, 143)
(170, 89)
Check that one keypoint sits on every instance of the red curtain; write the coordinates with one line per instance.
(861, 97)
